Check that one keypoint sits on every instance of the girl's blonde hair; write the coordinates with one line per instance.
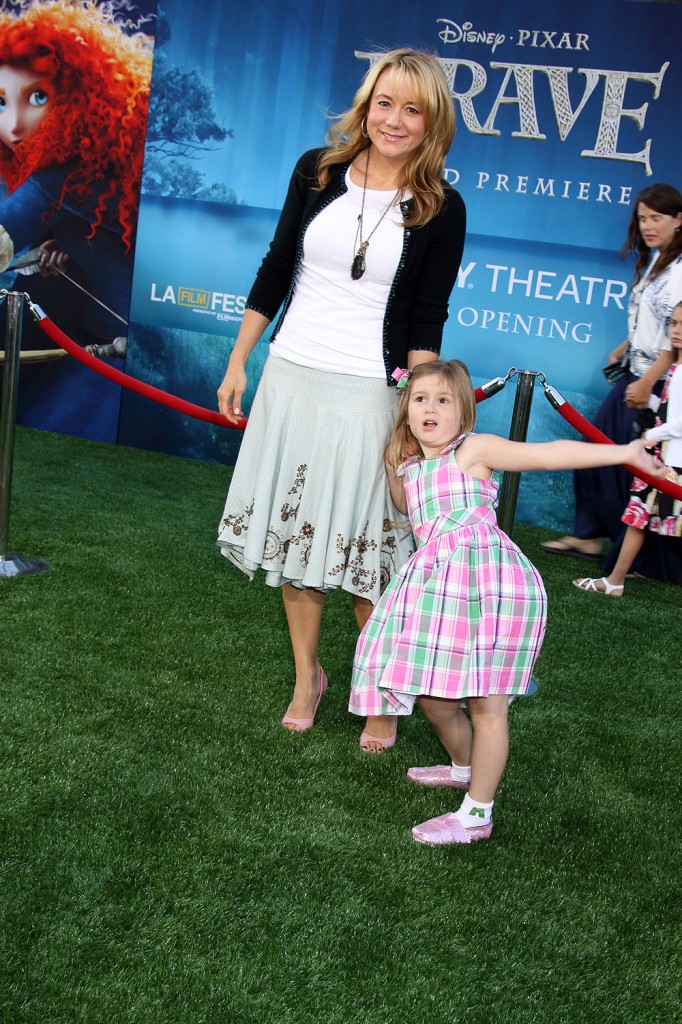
(423, 172)
(454, 373)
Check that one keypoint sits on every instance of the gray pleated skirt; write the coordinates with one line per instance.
(309, 500)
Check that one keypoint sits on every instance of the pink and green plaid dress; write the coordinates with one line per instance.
(465, 616)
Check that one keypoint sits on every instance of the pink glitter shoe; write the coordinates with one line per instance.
(447, 830)
(438, 775)
(306, 723)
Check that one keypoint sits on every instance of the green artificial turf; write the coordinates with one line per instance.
(170, 855)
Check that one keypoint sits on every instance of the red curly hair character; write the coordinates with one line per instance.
(98, 76)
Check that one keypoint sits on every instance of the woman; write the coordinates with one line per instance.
(654, 237)
(74, 92)
(364, 258)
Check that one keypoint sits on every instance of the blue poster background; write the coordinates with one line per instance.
(564, 114)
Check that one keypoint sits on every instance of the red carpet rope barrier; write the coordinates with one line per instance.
(555, 398)
(124, 379)
(489, 389)
(592, 433)
(50, 328)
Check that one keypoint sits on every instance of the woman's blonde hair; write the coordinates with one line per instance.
(454, 373)
(423, 171)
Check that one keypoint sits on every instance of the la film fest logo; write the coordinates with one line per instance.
(221, 305)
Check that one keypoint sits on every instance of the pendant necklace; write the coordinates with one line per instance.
(358, 265)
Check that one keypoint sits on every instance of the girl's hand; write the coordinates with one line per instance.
(638, 456)
(51, 259)
(637, 394)
(230, 393)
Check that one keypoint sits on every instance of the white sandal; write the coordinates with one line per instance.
(610, 589)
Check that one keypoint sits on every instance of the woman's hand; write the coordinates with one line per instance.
(230, 393)
(638, 457)
(637, 394)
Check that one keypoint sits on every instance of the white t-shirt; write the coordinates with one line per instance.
(334, 323)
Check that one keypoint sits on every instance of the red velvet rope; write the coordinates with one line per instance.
(50, 328)
(566, 410)
(595, 435)
(126, 381)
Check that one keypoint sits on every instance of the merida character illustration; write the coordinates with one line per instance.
(74, 93)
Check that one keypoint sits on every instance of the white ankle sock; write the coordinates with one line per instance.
(473, 813)
(460, 773)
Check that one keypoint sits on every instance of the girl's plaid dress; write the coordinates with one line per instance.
(649, 508)
(465, 616)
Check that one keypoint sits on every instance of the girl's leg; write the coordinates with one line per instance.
(489, 749)
(451, 726)
(383, 727)
(630, 548)
(304, 616)
(490, 746)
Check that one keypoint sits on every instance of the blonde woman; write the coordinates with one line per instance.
(363, 261)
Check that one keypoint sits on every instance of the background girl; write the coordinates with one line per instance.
(648, 508)
(465, 617)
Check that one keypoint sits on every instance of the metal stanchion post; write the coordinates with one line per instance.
(517, 432)
(11, 564)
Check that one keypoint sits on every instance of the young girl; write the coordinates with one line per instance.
(465, 617)
(649, 508)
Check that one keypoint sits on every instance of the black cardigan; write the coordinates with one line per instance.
(417, 306)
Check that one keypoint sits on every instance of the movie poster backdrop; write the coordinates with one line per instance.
(564, 113)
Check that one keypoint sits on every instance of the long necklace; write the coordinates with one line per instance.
(358, 265)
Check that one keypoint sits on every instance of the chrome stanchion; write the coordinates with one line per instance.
(11, 564)
(517, 432)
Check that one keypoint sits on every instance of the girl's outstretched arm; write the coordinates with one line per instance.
(480, 454)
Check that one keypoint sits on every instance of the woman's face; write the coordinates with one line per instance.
(25, 98)
(395, 122)
(657, 229)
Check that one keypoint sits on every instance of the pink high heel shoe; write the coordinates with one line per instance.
(306, 723)
(382, 744)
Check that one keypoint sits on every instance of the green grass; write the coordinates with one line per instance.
(170, 855)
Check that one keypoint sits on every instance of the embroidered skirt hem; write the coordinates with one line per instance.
(309, 501)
